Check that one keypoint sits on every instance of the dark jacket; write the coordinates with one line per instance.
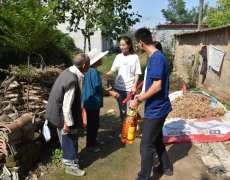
(54, 113)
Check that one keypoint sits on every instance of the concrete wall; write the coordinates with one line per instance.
(166, 34)
(187, 49)
(97, 41)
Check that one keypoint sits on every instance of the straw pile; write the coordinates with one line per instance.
(194, 106)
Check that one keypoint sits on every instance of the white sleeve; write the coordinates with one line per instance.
(114, 67)
(67, 105)
(138, 66)
(143, 87)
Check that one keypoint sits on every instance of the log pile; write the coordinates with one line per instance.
(19, 145)
(20, 131)
(194, 106)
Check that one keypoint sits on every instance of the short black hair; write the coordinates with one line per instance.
(158, 45)
(144, 35)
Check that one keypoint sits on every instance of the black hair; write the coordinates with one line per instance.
(128, 41)
(144, 35)
(158, 45)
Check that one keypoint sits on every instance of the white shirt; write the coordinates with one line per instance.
(69, 97)
(143, 87)
(127, 67)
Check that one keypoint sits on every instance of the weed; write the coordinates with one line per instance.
(192, 65)
(56, 156)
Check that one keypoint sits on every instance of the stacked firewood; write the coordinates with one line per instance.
(22, 109)
(18, 96)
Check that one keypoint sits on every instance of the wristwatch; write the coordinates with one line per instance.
(138, 100)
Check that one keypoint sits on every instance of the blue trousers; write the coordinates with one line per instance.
(122, 108)
(69, 145)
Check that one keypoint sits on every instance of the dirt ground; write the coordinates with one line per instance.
(119, 161)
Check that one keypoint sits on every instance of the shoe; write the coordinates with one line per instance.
(160, 170)
(93, 149)
(74, 170)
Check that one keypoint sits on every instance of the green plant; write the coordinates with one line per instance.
(225, 104)
(60, 51)
(24, 72)
(111, 17)
(107, 64)
(192, 67)
(220, 15)
(56, 156)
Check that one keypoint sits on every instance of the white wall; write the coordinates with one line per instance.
(96, 39)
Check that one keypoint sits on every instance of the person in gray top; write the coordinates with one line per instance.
(64, 110)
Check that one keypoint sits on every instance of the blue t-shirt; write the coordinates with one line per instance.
(157, 69)
(92, 94)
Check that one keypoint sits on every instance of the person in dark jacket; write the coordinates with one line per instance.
(64, 110)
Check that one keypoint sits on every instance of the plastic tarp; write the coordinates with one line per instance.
(196, 130)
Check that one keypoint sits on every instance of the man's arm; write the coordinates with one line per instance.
(154, 88)
(66, 108)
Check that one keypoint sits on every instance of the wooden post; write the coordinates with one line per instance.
(200, 14)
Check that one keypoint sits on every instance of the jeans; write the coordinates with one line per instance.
(122, 108)
(93, 125)
(69, 145)
(152, 137)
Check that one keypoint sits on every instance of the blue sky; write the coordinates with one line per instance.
(151, 10)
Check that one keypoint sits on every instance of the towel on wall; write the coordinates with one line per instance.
(215, 58)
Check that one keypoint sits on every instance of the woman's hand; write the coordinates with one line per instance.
(114, 94)
(134, 89)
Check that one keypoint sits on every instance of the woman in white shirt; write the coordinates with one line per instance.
(127, 64)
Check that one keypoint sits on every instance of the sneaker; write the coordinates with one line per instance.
(165, 171)
(93, 149)
(74, 170)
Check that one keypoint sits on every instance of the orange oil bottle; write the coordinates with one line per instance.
(138, 117)
(129, 127)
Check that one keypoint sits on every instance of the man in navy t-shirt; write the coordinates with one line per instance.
(157, 107)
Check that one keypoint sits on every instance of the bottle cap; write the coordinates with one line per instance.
(131, 112)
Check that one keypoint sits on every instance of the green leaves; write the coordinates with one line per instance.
(110, 16)
(26, 25)
(176, 13)
(220, 15)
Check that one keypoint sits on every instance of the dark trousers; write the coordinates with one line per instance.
(152, 137)
(93, 125)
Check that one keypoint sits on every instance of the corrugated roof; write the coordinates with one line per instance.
(202, 30)
(177, 25)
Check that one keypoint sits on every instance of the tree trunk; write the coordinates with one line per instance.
(89, 43)
(84, 44)
(200, 13)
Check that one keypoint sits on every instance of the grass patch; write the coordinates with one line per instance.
(225, 104)
(107, 64)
